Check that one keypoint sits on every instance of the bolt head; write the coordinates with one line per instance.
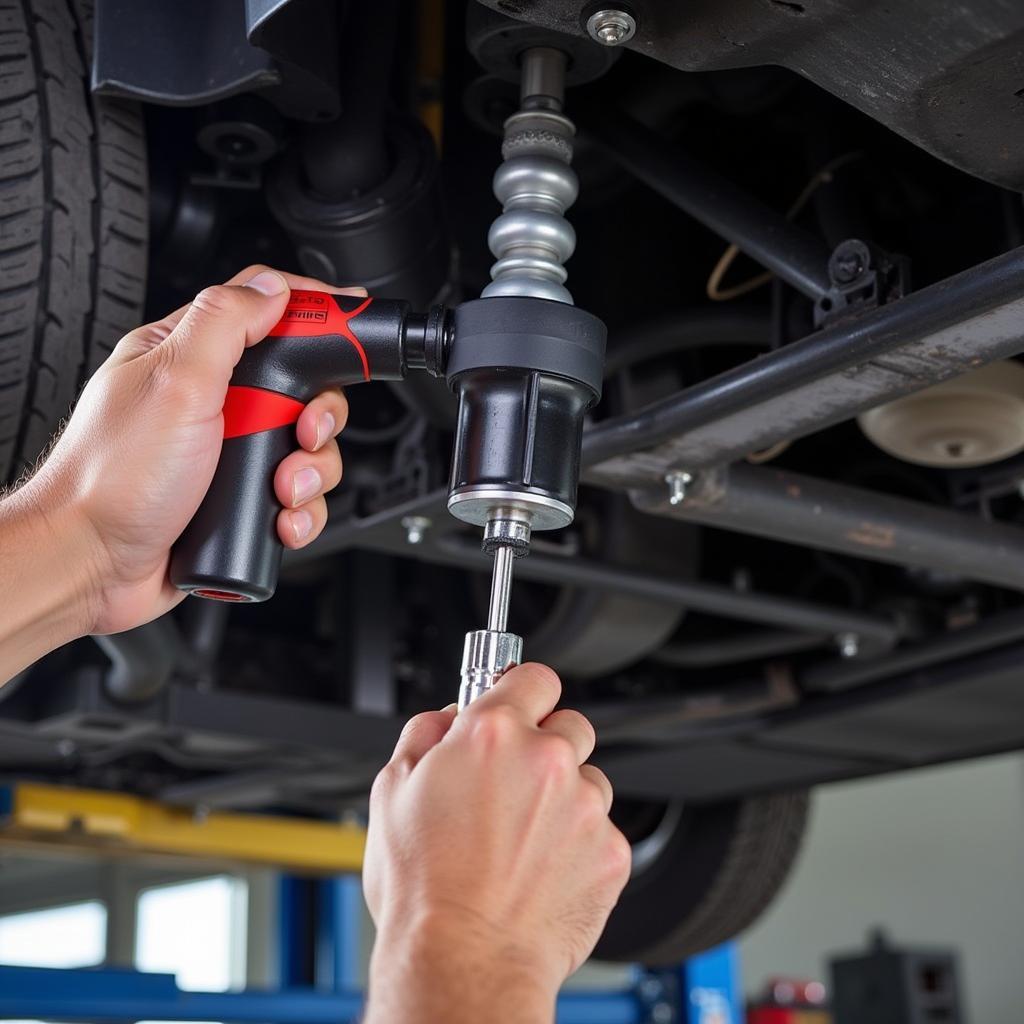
(415, 528)
(611, 26)
(848, 644)
(849, 261)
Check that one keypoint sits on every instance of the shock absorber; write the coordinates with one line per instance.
(527, 364)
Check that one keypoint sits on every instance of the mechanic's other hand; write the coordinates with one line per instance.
(140, 450)
(490, 851)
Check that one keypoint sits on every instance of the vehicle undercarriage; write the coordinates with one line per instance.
(791, 216)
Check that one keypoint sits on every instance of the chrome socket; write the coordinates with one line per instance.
(487, 655)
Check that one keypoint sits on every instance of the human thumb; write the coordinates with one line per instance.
(222, 321)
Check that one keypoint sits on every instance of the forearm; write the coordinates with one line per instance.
(45, 554)
(422, 977)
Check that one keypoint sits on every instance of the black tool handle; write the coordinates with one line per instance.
(230, 550)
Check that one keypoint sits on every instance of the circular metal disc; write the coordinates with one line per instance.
(972, 420)
(475, 505)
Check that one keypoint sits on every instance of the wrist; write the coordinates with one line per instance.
(458, 969)
(50, 576)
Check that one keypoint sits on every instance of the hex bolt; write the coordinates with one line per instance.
(611, 26)
(849, 261)
(848, 644)
(415, 528)
(678, 481)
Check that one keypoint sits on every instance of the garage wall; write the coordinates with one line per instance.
(936, 855)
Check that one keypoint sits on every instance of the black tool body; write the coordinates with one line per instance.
(230, 551)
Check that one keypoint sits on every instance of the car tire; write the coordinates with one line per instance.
(73, 221)
(701, 874)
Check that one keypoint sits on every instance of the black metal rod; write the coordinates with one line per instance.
(769, 609)
(840, 674)
(764, 234)
(939, 332)
(710, 711)
(735, 648)
(834, 517)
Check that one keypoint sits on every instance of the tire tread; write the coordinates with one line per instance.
(73, 221)
(763, 847)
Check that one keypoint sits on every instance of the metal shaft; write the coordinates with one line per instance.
(489, 653)
(531, 239)
(501, 588)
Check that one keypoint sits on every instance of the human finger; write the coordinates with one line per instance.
(303, 476)
(574, 727)
(532, 690)
(594, 776)
(322, 419)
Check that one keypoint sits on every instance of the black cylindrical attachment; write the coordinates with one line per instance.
(230, 550)
(526, 371)
(517, 440)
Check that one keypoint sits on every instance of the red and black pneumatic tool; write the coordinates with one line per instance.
(230, 551)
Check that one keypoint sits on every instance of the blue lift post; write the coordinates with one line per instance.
(712, 987)
(320, 969)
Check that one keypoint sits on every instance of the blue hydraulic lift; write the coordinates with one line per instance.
(319, 985)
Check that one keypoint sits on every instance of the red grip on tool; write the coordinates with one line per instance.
(230, 550)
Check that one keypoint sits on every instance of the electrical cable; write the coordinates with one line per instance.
(715, 291)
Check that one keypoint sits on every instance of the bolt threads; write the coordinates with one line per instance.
(531, 239)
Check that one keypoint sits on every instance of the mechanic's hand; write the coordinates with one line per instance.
(490, 854)
(140, 450)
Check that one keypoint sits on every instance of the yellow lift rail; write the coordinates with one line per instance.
(93, 819)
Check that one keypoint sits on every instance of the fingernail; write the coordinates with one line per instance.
(306, 484)
(324, 429)
(267, 282)
(451, 707)
(301, 523)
